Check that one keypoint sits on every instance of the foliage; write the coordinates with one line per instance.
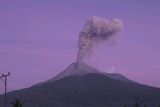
(17, 103)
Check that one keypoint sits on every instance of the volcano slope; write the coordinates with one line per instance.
(84, 86)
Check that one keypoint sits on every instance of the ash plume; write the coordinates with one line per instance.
(96, 30)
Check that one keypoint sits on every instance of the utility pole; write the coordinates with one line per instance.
(5, 83)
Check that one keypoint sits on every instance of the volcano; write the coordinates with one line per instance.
(83, 86)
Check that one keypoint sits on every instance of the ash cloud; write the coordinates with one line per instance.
(95, 31)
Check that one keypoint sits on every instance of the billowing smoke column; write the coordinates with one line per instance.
(96, 30)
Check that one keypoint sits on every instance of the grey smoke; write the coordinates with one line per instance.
(96, 30)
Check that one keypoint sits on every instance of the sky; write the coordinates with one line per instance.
(38, 39)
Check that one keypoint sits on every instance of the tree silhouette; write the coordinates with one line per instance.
(17, 103)
(124, 106)
(145, 105)
(136, 105)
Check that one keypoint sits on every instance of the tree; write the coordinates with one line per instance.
(136, 105)
(145, 106)
(17, 103)
(124, 106)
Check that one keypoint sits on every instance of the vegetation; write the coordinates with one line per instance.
(136, 105)
(17, 103)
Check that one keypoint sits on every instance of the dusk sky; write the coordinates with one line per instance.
(38, 39)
